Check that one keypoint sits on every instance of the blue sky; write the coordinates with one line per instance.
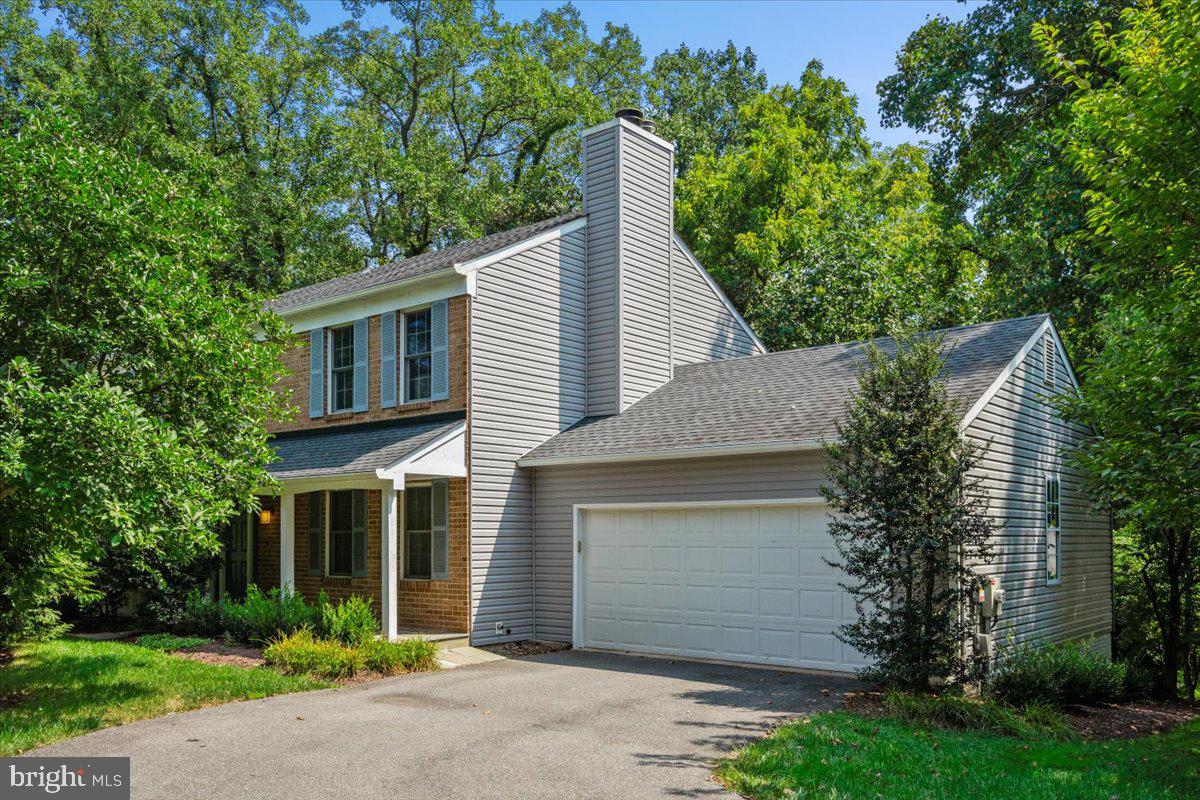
(857, 40)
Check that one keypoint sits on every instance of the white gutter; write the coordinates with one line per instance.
(703, 451)
(361, 293)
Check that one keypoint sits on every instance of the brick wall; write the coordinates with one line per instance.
(439, 605)
(295, 383)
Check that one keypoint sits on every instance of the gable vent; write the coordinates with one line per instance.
(1049, 361)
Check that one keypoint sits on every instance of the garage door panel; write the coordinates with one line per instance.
(741, 583)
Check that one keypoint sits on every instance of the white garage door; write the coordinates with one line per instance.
(734, 582)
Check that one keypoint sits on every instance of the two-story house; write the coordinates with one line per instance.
(566, 431)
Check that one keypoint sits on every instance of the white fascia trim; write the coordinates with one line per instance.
(1002, 378)
(687, 251)
(629, 126)
(467, 267)
(706, 451)
(351, 480)
(396, 470)
(361, 293)
(815, 500)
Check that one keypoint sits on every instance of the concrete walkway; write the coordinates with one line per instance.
(561, 725)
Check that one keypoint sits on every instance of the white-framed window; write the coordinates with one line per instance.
(346, 533)
(418, 355)
(341, 368)
(1049, 361)
(1053, 524)
(426, 531)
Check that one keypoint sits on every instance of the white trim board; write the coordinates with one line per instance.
(687, 252)
(1047, 325)
(467, 267)
(703, 451)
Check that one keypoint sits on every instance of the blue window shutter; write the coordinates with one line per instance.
(358, 526)
(387, 360)
(439, 360)
(316, 373)
(361, 370)
(316, 533)
(439, 559)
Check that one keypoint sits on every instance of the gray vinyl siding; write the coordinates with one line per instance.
(645, 266)
(1026, 440)
(528, 364)
(601, 204)
(760, 477)
(703, 329)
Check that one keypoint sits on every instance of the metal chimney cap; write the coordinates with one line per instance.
(633, 115)
(649, 126)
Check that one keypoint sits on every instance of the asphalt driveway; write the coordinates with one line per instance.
(563, 725)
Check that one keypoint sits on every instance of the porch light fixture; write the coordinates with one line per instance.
(264, 516)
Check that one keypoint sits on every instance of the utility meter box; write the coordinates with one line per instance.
(990, 597)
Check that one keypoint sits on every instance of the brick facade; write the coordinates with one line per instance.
(437, 605)
(295, 383)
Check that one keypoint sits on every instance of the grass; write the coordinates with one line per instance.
(169, 642)
(843, 756)
(68, 687)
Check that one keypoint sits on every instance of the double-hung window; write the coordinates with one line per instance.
(418, 357)
(1053, 530)
(426, 532)
(347, 537)
(341, 369)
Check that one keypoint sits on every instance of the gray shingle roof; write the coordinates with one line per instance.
(424, 264)
(359, 449)
(788, 396)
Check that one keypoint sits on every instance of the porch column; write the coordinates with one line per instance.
(287, 540)
(388, 576)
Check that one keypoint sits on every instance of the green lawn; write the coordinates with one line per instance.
(56, 690)
(845, 756)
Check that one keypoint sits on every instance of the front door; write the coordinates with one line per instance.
(237, 557)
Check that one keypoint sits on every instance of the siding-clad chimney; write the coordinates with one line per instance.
(628, 194)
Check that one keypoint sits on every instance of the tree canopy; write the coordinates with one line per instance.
(817, 234)
(133, 390)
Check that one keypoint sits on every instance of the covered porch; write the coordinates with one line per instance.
(377, 510)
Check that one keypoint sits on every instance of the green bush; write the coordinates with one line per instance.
(1057, 675)
(169, 642)
(965, 714)
(351, 622)
(300, 653)
(393, 658)
(199, 615)
(261, 618)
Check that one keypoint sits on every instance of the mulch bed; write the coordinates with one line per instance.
(1126, 720)
(1129, 719)
(219, 653)
(525, 647)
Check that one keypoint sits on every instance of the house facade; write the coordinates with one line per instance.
(566, 431)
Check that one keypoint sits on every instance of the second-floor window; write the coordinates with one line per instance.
(418, 348)
(341, 369)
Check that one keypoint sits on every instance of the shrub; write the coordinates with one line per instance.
(352, 622)
(392, 658)
(199, 615)
(300, 653)
(966, 714)
(1057, 675)
(169, 642)
(263, 617)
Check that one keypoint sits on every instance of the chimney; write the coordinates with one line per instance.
(628, 195)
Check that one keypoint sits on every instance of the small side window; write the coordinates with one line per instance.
(1053, 530)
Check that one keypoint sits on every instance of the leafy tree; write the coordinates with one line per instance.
(983, 89)
(908, 516)
(817, 235)
(1133, 136)
(133, 392)
(694, 97)
(455, 123)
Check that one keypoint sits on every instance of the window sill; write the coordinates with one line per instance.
(414, 405)
(424, 580)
